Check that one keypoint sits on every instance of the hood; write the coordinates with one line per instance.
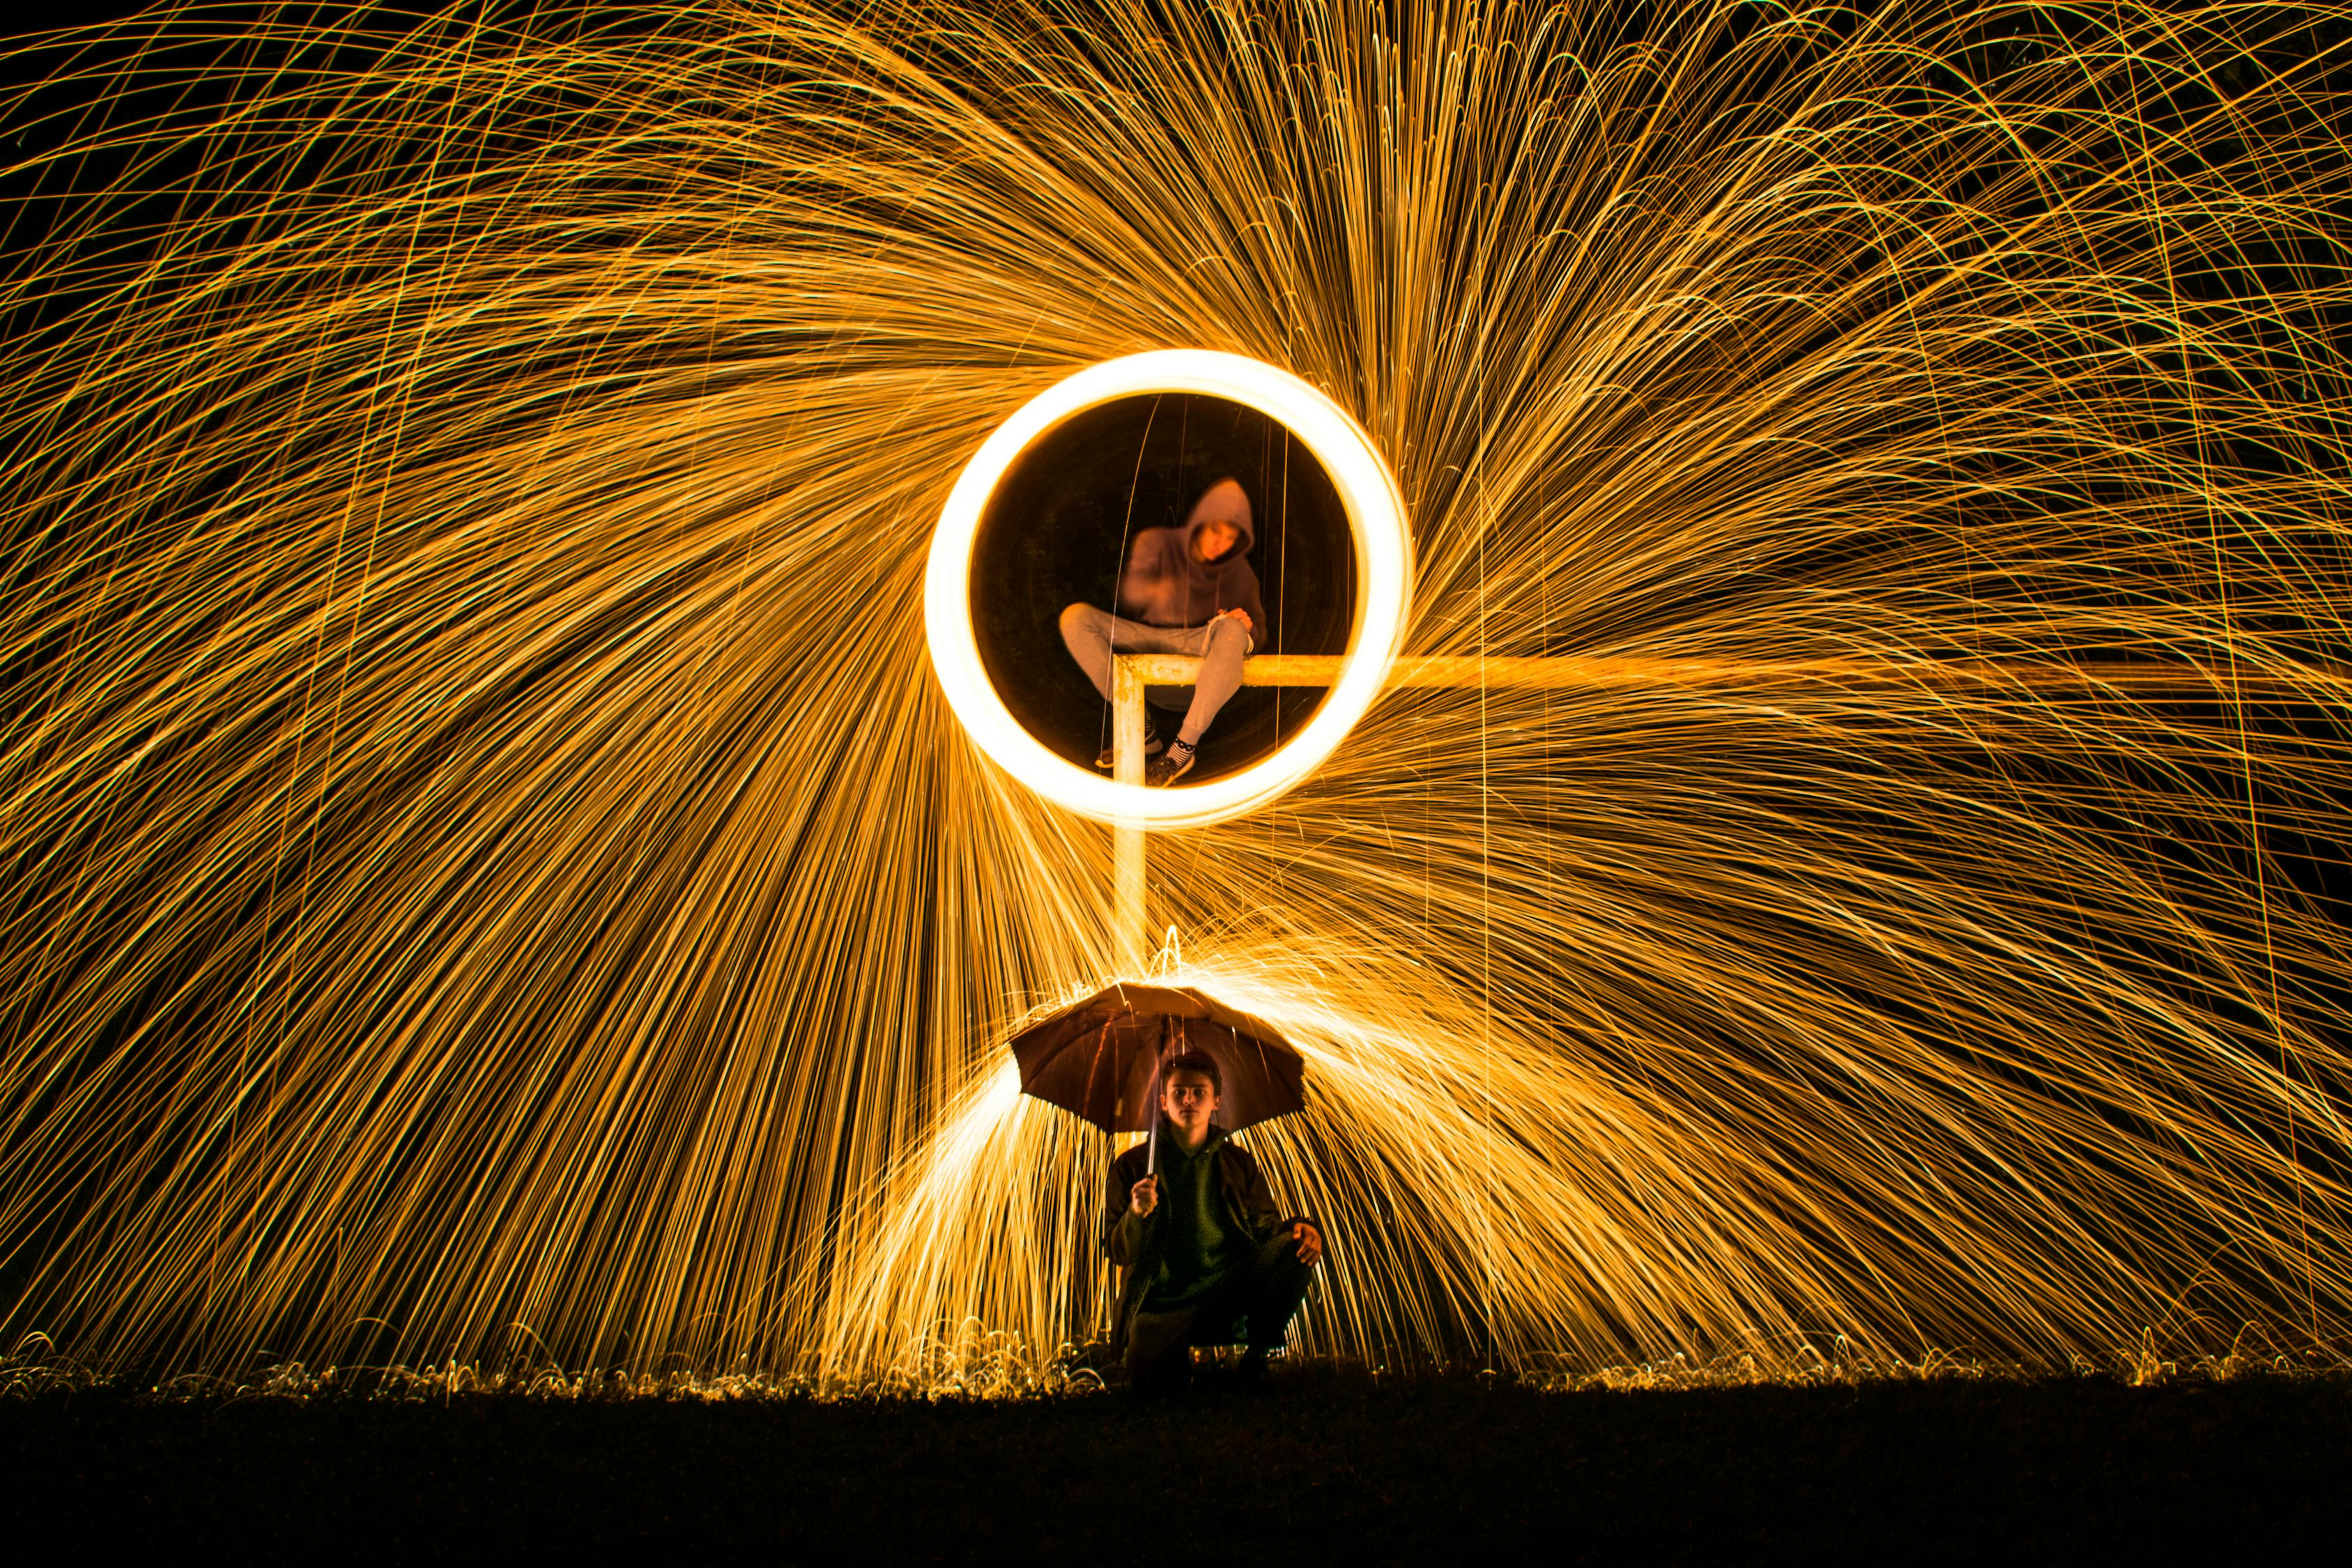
(1162, 585)
(1225, 501)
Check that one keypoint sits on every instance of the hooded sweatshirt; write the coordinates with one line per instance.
(1200, 1242)
(1164, 586)
(1138, 1243)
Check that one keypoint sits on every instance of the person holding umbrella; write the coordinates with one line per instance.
(1206, 1259)
(1189, 1218)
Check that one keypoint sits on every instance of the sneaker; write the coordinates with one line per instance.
(1170, 765)
(1152, 746)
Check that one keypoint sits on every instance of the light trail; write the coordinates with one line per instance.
(491, 870)
(1383, 563)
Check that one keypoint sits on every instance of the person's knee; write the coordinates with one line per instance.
(1279, 1260)
(1227, 633)
(1079, 625)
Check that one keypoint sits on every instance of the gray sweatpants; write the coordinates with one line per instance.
(1093, 635)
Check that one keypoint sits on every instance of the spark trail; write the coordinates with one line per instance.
(490, 872)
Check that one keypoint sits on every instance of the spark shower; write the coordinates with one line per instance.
(491, 872)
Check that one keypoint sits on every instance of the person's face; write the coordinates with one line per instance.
(1214, 540)
(1190, 1101)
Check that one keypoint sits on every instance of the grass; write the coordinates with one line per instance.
(1338, 1464)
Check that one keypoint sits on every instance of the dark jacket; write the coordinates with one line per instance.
(1249, 1209)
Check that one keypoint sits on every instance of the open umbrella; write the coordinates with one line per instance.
(1100, 1058)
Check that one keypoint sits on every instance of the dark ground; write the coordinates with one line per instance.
(1334, 1467)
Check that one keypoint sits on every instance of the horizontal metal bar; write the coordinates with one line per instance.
(1572, 672)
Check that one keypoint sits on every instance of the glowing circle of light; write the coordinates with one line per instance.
(1375, 512)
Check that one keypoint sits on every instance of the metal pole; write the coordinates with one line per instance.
(1126, 837)
(2044, 678)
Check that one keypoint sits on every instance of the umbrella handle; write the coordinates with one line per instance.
(1151, 1138)
(1168, 1028)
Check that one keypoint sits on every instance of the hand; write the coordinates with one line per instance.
(1144, 1194)
(1242, 615)
(1310, 1242)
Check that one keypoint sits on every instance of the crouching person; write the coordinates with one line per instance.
(1206, 1261)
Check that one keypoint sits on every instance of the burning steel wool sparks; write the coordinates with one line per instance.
(492, 870)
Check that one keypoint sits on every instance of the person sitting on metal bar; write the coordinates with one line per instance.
(1186, 590)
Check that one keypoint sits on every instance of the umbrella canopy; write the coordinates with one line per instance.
(1100, 1058)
